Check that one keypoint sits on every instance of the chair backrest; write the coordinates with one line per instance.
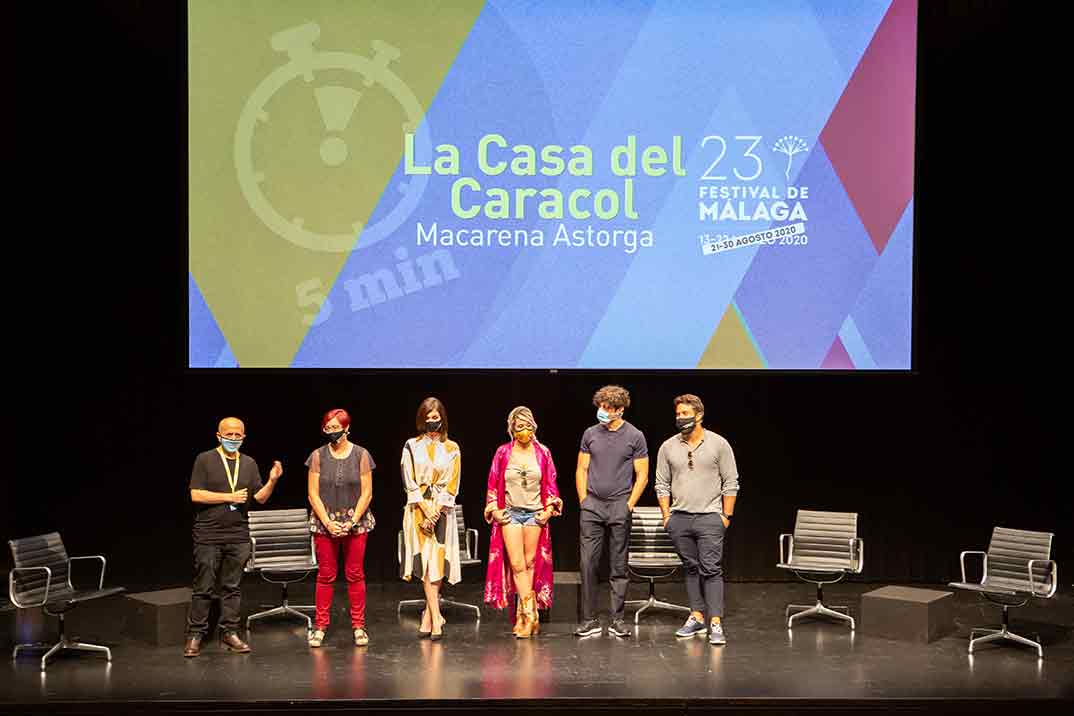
(826, 538)
(464, 544)
(39, 551)
(282, 539)
(466, 551)
(1009, 554)
(650, 545)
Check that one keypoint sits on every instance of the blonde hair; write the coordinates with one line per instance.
(520, 412)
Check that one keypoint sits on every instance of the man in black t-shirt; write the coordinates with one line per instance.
(221, 486)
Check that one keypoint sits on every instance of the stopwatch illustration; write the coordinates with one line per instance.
(338, 105)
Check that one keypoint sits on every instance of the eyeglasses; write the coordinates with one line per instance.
(690, 459)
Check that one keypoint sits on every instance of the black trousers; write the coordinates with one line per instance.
(216, 565)
(698, 539)
(597, 516)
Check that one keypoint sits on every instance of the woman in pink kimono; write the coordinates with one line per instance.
(521, 498)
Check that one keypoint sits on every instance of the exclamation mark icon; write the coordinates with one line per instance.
(337, 105)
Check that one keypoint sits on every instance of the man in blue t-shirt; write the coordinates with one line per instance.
(613, 468)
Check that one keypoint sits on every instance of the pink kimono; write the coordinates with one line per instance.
(499, 585)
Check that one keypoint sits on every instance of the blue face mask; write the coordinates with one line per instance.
(603, 416)
(230, 445)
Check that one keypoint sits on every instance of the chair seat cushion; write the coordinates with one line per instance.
(655, 561)
(1002, 585)
(285, 563)
(817, 564)
(68, 596)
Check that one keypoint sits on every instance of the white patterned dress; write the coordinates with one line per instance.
(430, 471)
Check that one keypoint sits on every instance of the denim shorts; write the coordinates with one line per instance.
(520, 516)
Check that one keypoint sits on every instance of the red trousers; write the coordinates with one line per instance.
(328, 550)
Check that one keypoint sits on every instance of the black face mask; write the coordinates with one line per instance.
(433, 426)
(334, 437)
(685, 425)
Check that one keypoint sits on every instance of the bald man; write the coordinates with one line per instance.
(221, 486)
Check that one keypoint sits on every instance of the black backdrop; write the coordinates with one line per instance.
(931, 460)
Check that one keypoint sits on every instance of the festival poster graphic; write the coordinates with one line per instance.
(619, 185)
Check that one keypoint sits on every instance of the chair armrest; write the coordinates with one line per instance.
(399, 546)
(860, 543)
(251, 564)
(473, 549)
(782, 537)
(1055, 576)
(100, 579)
(962, 563)
(11, 586)
(313, 549)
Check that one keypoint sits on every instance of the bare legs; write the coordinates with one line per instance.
(431, 619)
(521, 544)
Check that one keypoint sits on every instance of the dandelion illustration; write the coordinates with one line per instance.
(790, 145)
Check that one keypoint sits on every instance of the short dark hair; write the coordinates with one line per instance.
(427, 406)
(614, 395)
(692, 400)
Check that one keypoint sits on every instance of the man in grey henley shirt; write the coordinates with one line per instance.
(696, 486)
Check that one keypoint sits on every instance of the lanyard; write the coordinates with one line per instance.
(231, 480)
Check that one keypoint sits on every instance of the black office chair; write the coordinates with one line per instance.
(42, 578)
(651, 556)
(281, 547)
(1016, 568)
(824, 548)
(468, 556)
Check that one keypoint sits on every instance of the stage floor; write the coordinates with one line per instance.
(763, 662)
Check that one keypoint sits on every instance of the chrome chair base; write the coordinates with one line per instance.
(817, 610)
(63, 644)
(443, 603)
(1004, 634)
(282, 610)
(654, 603)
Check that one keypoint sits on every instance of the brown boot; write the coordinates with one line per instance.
(525, 618)
(535, 615)
(518, 617)
(232, 642)
(192, 646)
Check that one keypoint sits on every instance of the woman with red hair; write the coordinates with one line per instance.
(340, 490)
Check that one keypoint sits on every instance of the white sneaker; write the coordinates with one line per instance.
(316, 638)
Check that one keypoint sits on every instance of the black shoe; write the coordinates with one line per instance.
(618, 628)
(423, 634)
(588, 628)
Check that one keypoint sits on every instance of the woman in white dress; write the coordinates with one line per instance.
(430, 465)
